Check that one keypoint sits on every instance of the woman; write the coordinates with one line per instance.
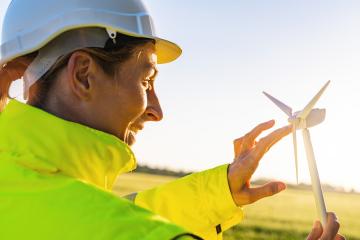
(89, 68)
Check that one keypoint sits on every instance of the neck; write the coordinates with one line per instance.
(62, 107)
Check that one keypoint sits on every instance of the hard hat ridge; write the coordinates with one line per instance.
(30, 26)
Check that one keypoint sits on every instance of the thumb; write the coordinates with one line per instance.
(316, 231)
(266, 190)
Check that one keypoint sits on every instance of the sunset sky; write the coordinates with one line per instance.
(234, 50)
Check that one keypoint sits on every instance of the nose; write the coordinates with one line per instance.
(153, 110)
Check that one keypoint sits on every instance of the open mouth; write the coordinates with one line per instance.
(132, 132)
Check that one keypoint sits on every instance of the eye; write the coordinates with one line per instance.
(147, 84)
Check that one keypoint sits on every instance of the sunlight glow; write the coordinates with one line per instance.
(235, 50)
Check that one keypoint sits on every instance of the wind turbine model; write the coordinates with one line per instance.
(305, 119)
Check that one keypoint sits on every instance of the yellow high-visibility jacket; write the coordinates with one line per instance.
(56, 178)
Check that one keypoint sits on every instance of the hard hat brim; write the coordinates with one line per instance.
(166, 51)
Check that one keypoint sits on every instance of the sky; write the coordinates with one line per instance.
(234, 50)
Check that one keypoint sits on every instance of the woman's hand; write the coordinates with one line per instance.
(14, 70)
(330, 232)
(248, 153)
(10, 72)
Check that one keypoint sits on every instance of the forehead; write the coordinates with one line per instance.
(146, 56)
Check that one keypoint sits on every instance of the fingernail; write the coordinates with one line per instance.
(281, 186)
(317, 224)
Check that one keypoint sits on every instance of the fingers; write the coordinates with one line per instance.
(246, 142)
(339, 237)
(250, 162)
(250, 137)
(243, 167)
(14, 70)
(331, 228)
(267, 142)
(316, 231)
(11, 73)
(266, 190)
(329, 232)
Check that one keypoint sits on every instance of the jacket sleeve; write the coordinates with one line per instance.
(200, 202)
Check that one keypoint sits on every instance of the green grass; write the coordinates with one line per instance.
(288, 215)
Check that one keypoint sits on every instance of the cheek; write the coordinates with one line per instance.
(139, 102)
(134, 102)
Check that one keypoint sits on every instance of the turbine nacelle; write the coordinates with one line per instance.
(315, 117)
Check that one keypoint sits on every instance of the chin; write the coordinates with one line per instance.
(130, 138)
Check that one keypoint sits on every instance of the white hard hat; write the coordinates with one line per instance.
(30, 25)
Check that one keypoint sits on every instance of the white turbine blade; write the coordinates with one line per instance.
(286, 109)
(303, 114)
(295, 153)
(315, 180)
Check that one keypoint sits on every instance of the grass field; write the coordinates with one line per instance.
(289, 215)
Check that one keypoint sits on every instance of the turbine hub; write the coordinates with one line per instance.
(298, 122)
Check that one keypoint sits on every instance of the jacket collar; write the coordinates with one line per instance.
(51, 145)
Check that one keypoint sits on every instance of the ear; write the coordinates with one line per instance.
(81, 70)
